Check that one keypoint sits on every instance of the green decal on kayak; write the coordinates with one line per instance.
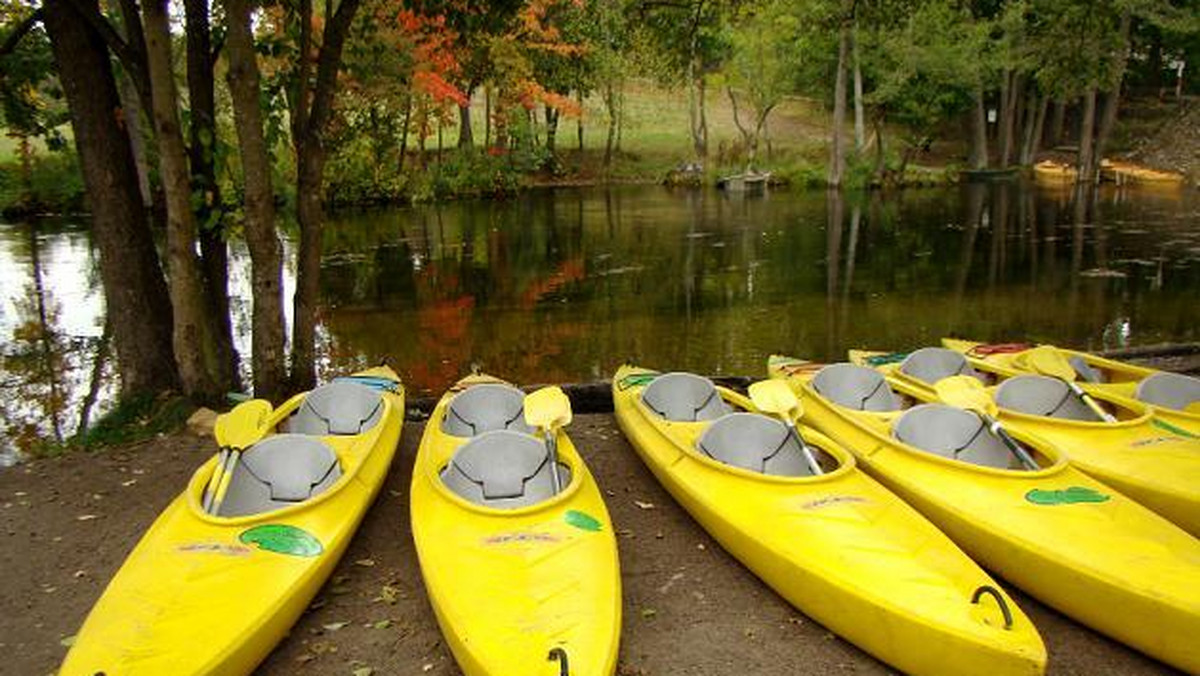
(282, 539)
(636, 380)
(1066, 496)
(882, 359)
(1175, 430)
(582, 521)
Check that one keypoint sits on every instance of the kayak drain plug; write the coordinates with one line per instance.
(560, 655)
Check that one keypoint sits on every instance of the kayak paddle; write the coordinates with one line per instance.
(549, 410)
(774, 396)
(234, 431)
(1048, 361)
(967, 393)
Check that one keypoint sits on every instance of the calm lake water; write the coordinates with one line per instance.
(565, 285)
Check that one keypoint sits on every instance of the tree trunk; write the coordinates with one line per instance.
(310, 167)
(404, 129)
(979, 142)
(1112, 99)
(579, 124)
(135, 292)
(1057, 122)
(131, 108)
(202, 138)
(1033, 140)
(837, 152)
(1086, 131)
(268, 358)
(860, 138)
(610, 104)
(196, 355)
(466, 137)
(1010, 88)
(487, 116)
(551, 131)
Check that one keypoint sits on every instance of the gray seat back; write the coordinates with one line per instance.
(340, 407)
(278, 472)
(856, 387)
(503, 469)
(1044, 396)
(684, 397)
(931, 364)
(754, 442)
(952, 433)
(484, 408)
(1085, 371)
(1169, 390)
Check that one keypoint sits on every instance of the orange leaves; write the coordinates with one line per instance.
(431, 44)
(531, 93)
(438, 88)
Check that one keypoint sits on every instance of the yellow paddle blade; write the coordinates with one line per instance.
(548, 408)
(774, 396)
(1193, 408)
(965, 392)
(243, 425)
(1048, 361)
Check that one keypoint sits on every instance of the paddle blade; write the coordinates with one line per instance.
(965, 392)
(774, 396)
(1193, 408)
(548, 408)
(244, 425)
(1048, 361)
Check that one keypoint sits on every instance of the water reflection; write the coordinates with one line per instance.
(564, 285)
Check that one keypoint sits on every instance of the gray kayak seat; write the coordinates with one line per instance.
(754, 442)
(503, 469)
(484, 408)
(337, 408)
(684, 397)
(952, 433)
(1044, 396)
(280, 471)
(931, 364)
(856, 387)
(1085, 371)
(1169, 390)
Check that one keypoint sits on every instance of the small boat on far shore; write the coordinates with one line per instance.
(750, 181)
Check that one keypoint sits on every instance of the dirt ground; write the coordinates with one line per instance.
(689, 608)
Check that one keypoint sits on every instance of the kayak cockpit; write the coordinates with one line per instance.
(502, 465)
(1048, 397)
(279, 472)
(732, 437)
(1174, 391)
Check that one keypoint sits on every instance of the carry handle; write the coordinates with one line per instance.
(988, 589)
(564, 669)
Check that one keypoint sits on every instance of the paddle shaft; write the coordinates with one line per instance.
(552, 451)
(1087, 399)
(223, 488)
(1022, 455)
(813, 465)
(214, 481)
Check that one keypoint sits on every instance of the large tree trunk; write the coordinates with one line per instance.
(267, 347)
(837, 151)
(979, 142)
(860, 132)
(135, 293)
(1057, 122)
(579, 125)
(1035, 123)
(196, 355)
(1010, 94)
(202, 139)
(1086, 131)
(551, 131)
(310, 168)
(610, 140)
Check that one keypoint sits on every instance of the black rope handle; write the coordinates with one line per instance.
(564, 669)
(988, 589)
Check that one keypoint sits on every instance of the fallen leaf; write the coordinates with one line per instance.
(129, 483)
(80, 573)
(389, 594)
(643, 505)
(428, 666)
(382, 624)
(365, 563)
(338, 590)
(364, 671)
(305, 658)
(648, 613)
(67, 641)
(334, 626)
(86, 517)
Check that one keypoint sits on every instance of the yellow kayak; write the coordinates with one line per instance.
(838, 546)
(1174, 398)
(1071, 541)
(213, 593)
(523, 579)
(1157, 465)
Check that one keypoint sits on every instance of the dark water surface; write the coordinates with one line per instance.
(565, 285)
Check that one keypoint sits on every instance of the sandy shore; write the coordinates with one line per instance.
(689, 608)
